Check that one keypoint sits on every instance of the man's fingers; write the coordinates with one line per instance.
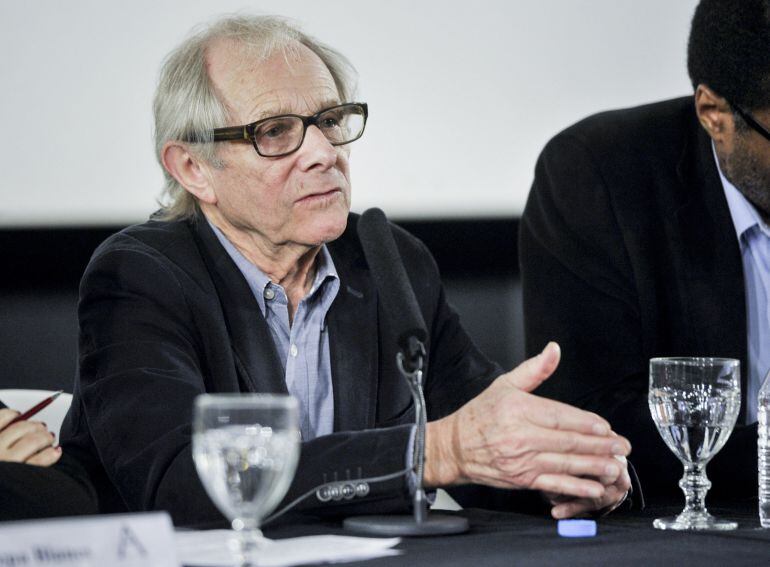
(566, 485)
(532, 372)
(557, 415)
(614, 495)
(573, 508)
(624, 482)
(569, 442)
(607, 469)
(611, 499)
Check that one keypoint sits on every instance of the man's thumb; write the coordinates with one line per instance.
(534, 371)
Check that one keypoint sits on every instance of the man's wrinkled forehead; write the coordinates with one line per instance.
(227, 59)
(254, 82)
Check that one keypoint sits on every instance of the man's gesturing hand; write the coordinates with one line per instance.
(614, 494)
(509, 438)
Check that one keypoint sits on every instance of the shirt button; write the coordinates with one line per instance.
(269, 293)
(293, 350)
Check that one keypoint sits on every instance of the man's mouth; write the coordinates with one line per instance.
(320, 196)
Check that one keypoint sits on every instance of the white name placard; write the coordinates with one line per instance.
(130, 540)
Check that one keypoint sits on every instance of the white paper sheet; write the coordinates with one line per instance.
(210, 549)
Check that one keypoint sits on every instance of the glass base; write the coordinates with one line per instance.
(694, 521)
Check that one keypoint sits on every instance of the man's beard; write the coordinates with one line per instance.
(751, 177)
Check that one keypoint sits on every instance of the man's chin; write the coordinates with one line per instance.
(755, 189)
(326, 230)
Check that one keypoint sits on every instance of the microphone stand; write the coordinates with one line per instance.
(411, 364)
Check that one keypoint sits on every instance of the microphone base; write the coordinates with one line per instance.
(394, 526)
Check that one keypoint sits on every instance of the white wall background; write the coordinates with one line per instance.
(463, 94)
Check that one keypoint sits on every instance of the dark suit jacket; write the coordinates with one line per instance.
(627, 252)
(166, 315)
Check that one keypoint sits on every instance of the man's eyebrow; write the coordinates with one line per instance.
(280, 110)
(270, 111)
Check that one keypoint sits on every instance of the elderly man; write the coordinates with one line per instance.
(646, 234)
(253, 280)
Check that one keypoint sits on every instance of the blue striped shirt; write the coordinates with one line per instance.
(303, 345)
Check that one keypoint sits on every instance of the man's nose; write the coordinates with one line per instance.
(317, 149)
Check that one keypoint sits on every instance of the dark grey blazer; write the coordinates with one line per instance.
(166, 315)
(627, 252)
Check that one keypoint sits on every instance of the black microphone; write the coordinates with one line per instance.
(393, 287)
(400, 306)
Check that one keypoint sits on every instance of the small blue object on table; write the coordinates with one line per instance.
(576, 528)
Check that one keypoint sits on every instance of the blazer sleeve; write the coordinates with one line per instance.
(578, 286)
(580, 289)
(141, 367)
(30, 491)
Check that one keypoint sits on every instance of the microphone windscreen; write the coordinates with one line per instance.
(397, 297)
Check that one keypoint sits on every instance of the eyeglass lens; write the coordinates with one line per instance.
(284, 134)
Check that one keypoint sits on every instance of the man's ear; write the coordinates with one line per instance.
(714, 113)
(189, 170)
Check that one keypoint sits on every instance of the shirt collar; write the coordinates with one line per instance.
(258, 280)
(743, 213)
(324, 269)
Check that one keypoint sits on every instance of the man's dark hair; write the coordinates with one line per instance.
(729, 50)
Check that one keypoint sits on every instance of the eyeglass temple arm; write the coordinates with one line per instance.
(230, 133)
(751, 121)
(219, 135)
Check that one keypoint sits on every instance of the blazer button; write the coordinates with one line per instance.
(362, 489)
(323, 494)
(336, 492)
(348, 491)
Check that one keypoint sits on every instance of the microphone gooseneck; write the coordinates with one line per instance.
(399, 305)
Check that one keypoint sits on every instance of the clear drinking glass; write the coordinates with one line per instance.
(694, 403)
(246, 448)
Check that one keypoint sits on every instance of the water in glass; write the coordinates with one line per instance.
(246, 448)
(763, 447)
(694, 403)
(694, 424)
(243, 468)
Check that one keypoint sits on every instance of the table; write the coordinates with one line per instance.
(624, 538)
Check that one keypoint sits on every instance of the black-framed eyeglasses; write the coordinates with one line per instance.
(751, 121)
(282, 135)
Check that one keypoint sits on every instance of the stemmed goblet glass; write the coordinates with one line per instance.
(246, 448)
(694, 402)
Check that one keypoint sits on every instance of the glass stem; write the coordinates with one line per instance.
(249, 540)
(695, 485)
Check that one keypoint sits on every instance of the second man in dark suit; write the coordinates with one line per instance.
(646, 234)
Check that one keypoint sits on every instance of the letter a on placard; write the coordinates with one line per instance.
(128, 542)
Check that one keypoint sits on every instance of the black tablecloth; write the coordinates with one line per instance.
(623, 538)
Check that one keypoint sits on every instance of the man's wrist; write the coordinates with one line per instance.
(441, 467)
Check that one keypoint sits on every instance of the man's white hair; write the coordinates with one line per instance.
(186, 106)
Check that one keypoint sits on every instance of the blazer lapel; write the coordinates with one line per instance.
(259, 368)
(711, 269)
(353, 327)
